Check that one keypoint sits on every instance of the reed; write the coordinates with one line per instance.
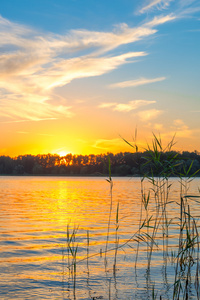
(188, 232)
(72, 248)
(110, 181)
(188, 252)
(116, 238)
(155, 222)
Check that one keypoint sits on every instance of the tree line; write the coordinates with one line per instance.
(122, 164)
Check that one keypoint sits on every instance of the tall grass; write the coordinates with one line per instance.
(72, 248)
(110, 181)
(155, 225)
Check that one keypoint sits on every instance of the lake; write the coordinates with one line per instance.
(37, 213)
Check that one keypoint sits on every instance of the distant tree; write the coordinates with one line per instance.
(6, 165)
(18, 170)
(123, 163)
(38, 169)
(84, 170)
(123, 170)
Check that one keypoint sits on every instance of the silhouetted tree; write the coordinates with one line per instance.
(122, 164)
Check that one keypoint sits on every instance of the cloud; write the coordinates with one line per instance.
(136, 82)
(116, 145)
(126, 107)
(106, 41)
(109, 144)
(33, 64)
(184, 3)
(179, 125)
(159, 20)
(107, 105)
(20, 108)
(188, 11)
(181, 129)
(180, 9)
(21, 121)
(147, 115)
(159, 4)
(67, 70)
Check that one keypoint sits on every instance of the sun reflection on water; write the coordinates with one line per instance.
(35, 212)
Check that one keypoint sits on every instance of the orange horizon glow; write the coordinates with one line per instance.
(99, 147)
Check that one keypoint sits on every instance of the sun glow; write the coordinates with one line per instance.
(61, 152)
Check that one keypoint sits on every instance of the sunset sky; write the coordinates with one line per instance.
(77, 75)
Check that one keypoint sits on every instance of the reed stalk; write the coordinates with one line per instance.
(154, 221)
(109, 180)
(116, 238)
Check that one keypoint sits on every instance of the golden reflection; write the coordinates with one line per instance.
(35, 215)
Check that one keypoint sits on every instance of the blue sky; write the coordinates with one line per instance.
(75, 75)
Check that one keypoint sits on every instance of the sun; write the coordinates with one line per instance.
(61, 151)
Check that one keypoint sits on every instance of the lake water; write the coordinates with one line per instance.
(34, 215)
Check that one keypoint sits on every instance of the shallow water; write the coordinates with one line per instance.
(35, 212)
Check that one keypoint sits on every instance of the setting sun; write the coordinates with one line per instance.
(61, 152)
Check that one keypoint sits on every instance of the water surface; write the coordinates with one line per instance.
(35, 213)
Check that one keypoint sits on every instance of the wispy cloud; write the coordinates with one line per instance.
(179, 124)
(106, 41)
(181, 129)
(185, 3)
(159, 20)
(33, 64)
(106, 144)
(159, 4)
(180, 8)
(68, 70)
(136, 82)
(148, 115)
(109, 144)
(126, 107)
(178, 128)
(115, 145)
(188, 11)
(25, 120)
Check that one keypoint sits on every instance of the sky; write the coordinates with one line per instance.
(79, 76)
